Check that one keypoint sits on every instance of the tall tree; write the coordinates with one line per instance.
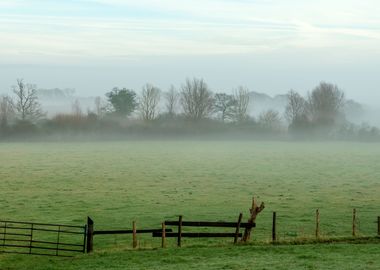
(241, 97)
(326, 103)
(172, 97)
(76, 108)
(270, 120)
(101, 107)
(224, 104)
(296, 109)
(6, 111)
(150, 97)
(26, 102)
(196, 99)
(123, 101)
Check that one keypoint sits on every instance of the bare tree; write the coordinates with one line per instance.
(224, 104)
(296, 109)
(172, 97)
(6, 111)
(241, 97)
(98, 105)
(76, 108)
(196, 99)
(150, 97)
(326, 103)
(26, 104)
(101, 107)
(270, 120)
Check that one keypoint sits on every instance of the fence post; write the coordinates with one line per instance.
(179, 231)
(378, 226)
(354, 222)
(238, 228)
(274, 233)
(134, 242)
(90, 235)
(317, 220)
(254, 211)
(163, 235)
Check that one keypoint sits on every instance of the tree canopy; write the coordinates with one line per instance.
(123, 101)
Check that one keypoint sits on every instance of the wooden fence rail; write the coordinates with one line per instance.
(215, 224)
(198, 234)
(142, 231)
(206, 224)
(91, 232)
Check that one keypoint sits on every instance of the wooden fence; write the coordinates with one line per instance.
(66, 240)
(180, 224)
(165, 232)
(91, 232)
(353, 225)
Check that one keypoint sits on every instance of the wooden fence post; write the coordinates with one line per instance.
(378, 226)
(134, 243)
(90, 235)
(274, 233)
(354, 222)
(163, 235)
(179, 231)
(238, 228)
(254, 211)
(317, 221)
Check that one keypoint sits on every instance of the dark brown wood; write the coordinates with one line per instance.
(163, 235)
(317, 221)
(378, 226)
(197, 235)
(238, 228)
(84, 238)
(254, 211)
(179, 231)
(354, 222)
(57, 246)
(4, 232)
(90, 235)
(134, 235)
(220, 224)
(129, 231)
(31, 239)
(274, 232)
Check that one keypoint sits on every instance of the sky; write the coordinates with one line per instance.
(269, 46)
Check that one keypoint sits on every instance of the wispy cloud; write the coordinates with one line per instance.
(185, 27)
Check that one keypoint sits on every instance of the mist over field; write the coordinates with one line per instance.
(191, 109)
(60, 100)
(189, 134)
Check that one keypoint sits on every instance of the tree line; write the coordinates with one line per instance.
(321, 112)
(193, 101)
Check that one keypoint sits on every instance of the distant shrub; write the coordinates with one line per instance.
(74, 121)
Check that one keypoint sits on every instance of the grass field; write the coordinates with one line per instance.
(149, 181)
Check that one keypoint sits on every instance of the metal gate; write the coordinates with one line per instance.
(42, 238)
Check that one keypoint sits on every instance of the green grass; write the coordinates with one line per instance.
(337, 256)
(149, 181)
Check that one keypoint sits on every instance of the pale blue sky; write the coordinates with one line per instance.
(268, 45)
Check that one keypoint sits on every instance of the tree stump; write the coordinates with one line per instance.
(255, 210)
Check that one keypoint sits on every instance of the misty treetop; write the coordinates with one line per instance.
(322, 108)
(26, 103)
(123, 101)
(191, 108)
